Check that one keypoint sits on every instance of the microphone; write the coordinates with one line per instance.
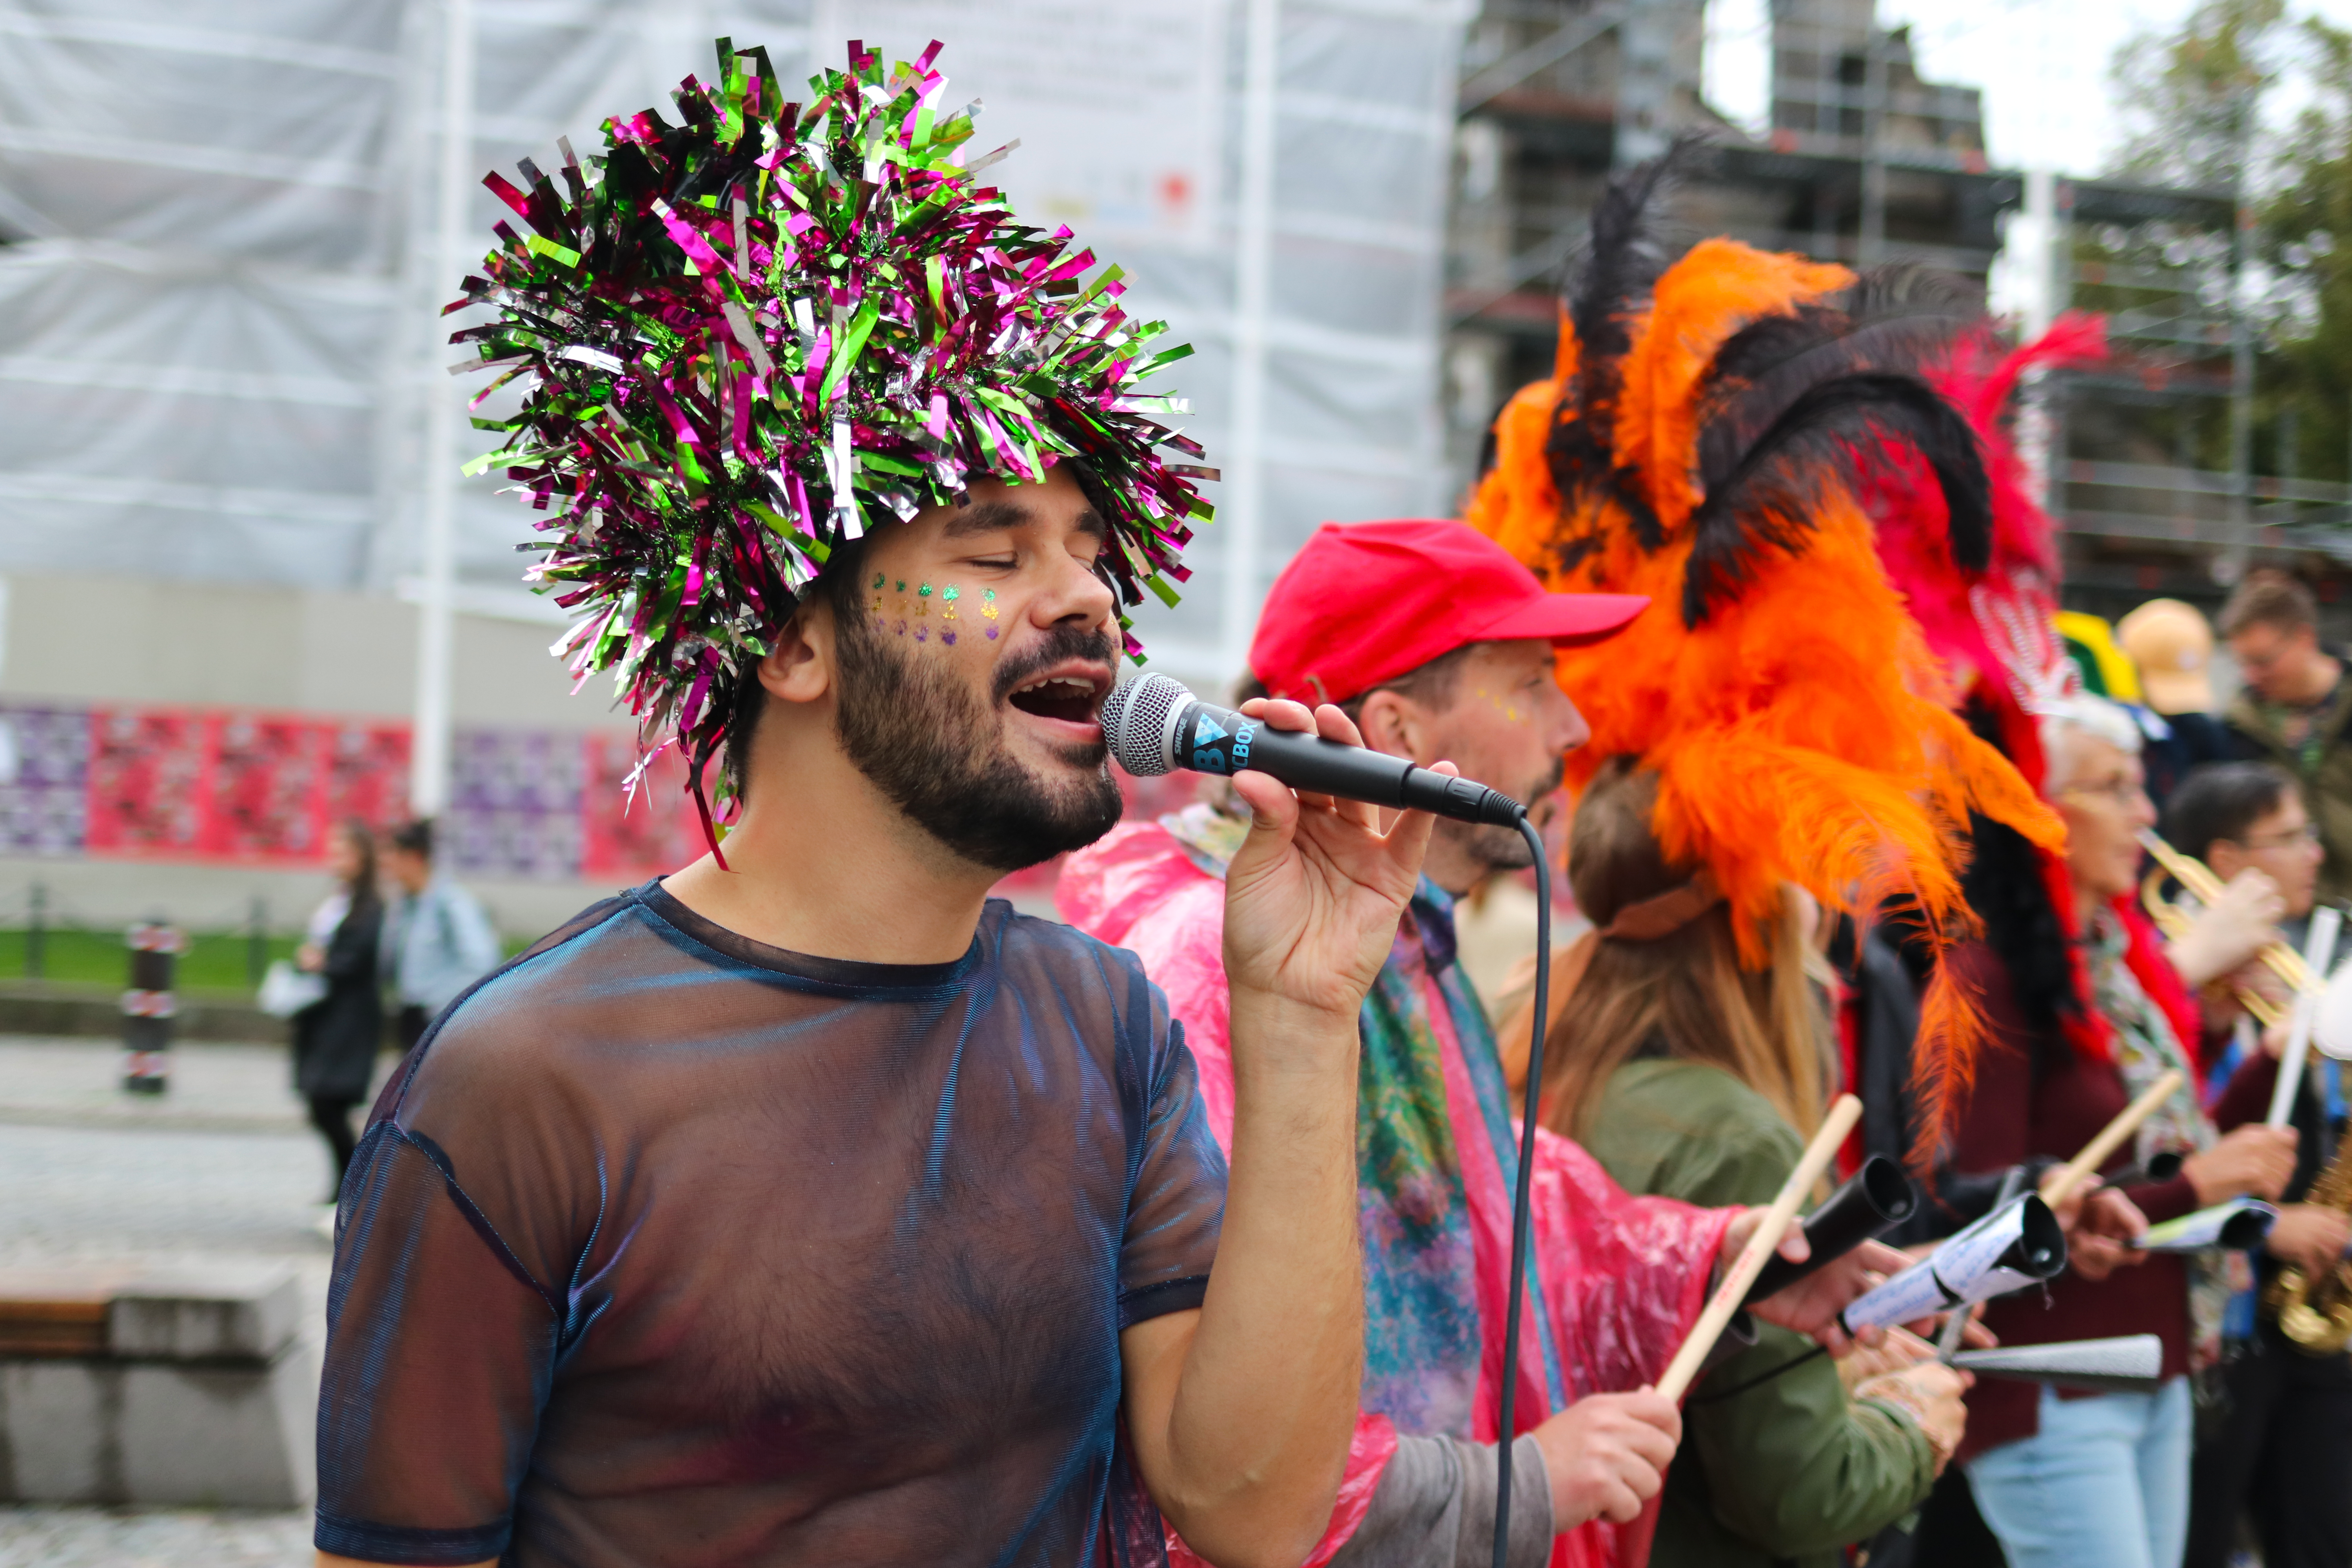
(1154, 725)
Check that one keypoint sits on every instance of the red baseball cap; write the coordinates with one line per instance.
(1365, 602)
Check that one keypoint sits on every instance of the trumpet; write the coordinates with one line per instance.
(2280, 958)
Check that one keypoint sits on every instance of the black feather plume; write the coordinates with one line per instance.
(1896, 319)
(1620, 265)
(1766, 499)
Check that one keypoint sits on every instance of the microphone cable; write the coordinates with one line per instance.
(1521, 1201)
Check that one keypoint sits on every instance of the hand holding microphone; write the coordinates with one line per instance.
(1154, 726)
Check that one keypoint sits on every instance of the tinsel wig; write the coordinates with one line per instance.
(747, 338)
(1699, 442)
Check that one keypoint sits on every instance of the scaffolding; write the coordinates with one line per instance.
(1864, 161)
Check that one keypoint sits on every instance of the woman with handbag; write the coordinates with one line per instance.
(336, 1038)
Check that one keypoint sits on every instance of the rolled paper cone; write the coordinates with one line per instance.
(2075, 1172)
(1956, 1327)
(2129, 1363)
(1875, 1197)
(2019, 1244)
(1761, 1247)
(2239, 1226)
(2318, 952)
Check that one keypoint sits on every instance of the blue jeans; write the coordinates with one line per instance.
(2104, 1483)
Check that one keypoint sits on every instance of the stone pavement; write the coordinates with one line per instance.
(223, 1168)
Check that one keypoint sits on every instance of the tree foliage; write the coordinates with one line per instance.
(2251, 81)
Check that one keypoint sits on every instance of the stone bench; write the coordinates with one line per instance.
(180, 1386)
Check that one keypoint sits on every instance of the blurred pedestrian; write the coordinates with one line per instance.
(2171, 648)
(2294, 708)
(336, 1038)
(438, 941)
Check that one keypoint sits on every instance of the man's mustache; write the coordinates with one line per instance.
(1061, 644)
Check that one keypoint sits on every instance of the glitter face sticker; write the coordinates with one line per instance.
(948, 596)
(1501, 702)
(988, 610)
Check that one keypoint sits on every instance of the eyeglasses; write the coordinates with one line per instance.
(2123, 791)
(2293, 837)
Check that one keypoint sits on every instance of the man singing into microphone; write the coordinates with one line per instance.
(1440, 646)
(805, 1207)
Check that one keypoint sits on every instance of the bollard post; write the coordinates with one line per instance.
(36, 934)
(149, 1006)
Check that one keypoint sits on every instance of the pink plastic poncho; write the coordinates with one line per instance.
(1619, 1279)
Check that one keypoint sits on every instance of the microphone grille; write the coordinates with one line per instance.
(1135, 723)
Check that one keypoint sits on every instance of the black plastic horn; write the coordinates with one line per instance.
(1874, 1201)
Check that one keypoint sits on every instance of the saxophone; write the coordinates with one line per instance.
(2315, 1315)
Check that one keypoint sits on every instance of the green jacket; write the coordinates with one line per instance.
(1790, 1470)
(2324, 768)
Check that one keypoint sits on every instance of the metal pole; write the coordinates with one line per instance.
(2288, 432)
(2241, 358)
(428, 777)
(36, 934)
(1870, 239)
(1241, 508)
(257, 944)
(2042, 225)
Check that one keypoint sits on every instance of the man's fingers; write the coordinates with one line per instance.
(1332, 724)
(1331, 721)
(1647, 1405)
(1623, 1507)
(1273, 808)
(1652, 1446)
(1880, 1258)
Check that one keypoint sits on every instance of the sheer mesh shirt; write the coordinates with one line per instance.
(668, 1247)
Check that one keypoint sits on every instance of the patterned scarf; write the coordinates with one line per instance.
(1425, 1342)
(2147, 1045)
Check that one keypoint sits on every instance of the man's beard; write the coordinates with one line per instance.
(929, 746)
(1493, 846)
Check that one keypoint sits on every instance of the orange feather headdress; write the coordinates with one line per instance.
(1698, 443)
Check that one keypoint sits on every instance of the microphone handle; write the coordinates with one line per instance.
(1213, 739)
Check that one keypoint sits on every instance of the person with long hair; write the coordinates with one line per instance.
(1689, 1075)
(2067, 1479)
(335, 1038)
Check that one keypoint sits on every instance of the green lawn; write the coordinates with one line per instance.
(217, 962)
(221, 964)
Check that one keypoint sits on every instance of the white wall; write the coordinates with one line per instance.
(119, 640)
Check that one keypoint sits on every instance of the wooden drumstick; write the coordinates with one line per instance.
(2075, 1172)
(1759, 1248)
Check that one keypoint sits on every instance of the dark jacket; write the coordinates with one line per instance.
(2322, 769)
(336, 1038)
(2035, 1095)
(2191, 740)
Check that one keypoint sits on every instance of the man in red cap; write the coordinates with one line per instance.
(1439, 644)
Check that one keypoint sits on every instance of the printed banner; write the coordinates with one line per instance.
(150, 777)
(264, 789)
(514, 804)
(626, 836)
(44, 780)
(267, 799)
(367, 773)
